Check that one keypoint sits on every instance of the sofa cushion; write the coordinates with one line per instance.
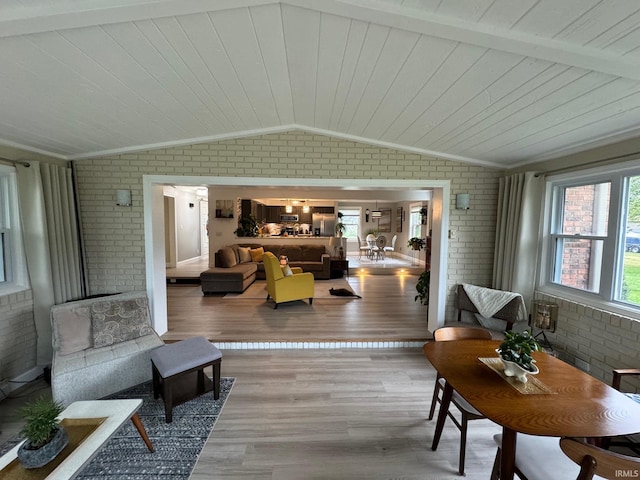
(118, 321)
(313, 253)
(227, 257)
(293, 252)
(257, 254)
(73, 330)
(244, 254)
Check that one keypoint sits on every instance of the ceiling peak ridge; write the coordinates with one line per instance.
(285, 129)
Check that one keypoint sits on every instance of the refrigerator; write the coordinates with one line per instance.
(324, 224)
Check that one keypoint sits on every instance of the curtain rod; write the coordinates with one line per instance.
(588, 164)
(19, 162)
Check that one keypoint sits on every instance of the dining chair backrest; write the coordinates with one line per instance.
(461, 333)
(598, 461)
(381, 241)
(393, 241)
(371, 238)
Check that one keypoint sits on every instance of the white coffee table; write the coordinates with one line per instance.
(117, 412)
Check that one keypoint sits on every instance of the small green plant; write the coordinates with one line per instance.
(416, 243)
(518, 347)
(41, 417)
(423, 287)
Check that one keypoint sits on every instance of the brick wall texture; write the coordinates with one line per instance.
(114, 236)
(17, 335)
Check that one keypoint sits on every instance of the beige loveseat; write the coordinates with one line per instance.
(101, 346)
(238, 266)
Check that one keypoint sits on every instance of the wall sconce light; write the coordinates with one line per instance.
(462, 201)
(123, 198)
(366, 215)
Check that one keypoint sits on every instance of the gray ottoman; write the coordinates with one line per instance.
(174, 365)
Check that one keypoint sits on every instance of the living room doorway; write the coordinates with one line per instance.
(153, 186)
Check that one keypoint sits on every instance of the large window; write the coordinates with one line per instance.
(351, 220)
(12, 263)
(415, 221)
(594, 237)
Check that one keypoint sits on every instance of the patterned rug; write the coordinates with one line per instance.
(177, 444)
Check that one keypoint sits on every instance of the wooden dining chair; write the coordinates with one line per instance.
(618, 375)
(467, 412)
(542, 458)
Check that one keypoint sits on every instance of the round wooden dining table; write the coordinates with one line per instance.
(566, 402)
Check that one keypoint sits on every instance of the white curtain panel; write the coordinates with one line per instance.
(51, 243)
(516, 249)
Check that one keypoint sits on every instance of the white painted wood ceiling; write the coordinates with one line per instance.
(496, 82)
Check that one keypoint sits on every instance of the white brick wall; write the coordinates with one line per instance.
(114, 236)
(17, 335)
(600, 338)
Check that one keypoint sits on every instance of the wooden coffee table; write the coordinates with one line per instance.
(116, 413)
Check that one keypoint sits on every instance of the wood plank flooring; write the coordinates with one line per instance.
(336, 414)
(386, 312)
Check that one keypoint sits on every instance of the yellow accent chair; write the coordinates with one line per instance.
(283, 288)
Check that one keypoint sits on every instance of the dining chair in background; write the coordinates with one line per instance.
(391, 248)
(381, 243)
(363, 247)
(467, 412)
(542, 458)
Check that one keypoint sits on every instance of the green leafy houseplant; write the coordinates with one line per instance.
(247, 227)
(416, 243)
(518, 347)
(422, 287)
(41, 417)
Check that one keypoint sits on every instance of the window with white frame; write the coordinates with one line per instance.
(415, 221)
(13, 275)
(594, 236)
(351, 221)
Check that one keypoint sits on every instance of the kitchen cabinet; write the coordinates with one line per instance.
(273, 214)
(305, 217)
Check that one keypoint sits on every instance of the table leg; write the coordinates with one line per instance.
(508, 458)
(143, 433)
(447, 393)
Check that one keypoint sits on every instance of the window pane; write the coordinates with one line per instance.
(586, 209)
(579, 263)
(630, 281)
(351, 220)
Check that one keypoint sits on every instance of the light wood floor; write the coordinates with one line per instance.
(336, 414)
(387, 311)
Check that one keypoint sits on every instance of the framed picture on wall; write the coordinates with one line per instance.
(224, 208)
(399, 219)
(384, 222)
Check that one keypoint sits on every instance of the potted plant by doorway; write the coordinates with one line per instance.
(416, 243)
(515, 352)
(45, 437)
(422, 287)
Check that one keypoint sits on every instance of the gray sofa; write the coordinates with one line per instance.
(238, 266)
(101, 346)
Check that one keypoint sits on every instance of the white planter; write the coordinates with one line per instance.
(512, 369)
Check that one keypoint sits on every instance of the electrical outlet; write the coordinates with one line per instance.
(582, 365)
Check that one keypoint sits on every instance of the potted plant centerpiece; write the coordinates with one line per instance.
(45, 437)
(416, 243)
(515, 352)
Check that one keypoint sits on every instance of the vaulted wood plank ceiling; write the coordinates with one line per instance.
(495, 82)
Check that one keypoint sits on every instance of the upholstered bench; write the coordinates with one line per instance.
(222, 280)
(171, 366)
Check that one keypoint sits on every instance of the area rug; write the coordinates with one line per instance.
(177, 444)
(320, 289)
